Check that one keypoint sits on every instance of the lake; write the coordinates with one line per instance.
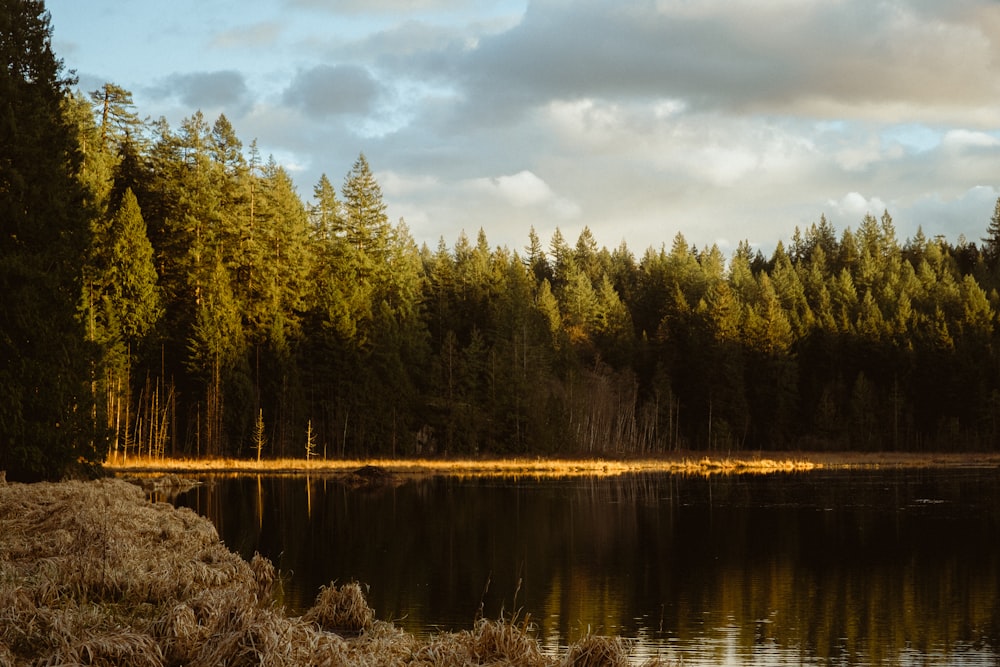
(823, 567)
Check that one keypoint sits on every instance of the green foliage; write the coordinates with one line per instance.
(132, 281)
(117, 121)
(45, 362)
(210, 294)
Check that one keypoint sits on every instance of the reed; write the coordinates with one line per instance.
(341, 610)
(489, 642)
(755, 463)
(93, 573)
(598, 651)
(537, 467)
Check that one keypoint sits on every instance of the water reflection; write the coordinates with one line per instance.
(821, 567)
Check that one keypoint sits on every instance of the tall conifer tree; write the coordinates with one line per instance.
(44, 359)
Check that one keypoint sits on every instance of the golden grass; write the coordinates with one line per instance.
(341, 610)
(597, 651)
(516, 467)
(92, 573)
(680, 463)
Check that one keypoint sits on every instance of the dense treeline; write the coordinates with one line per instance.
(244, 317)
(220, 314)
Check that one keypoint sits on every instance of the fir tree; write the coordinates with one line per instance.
(535, 258)
(367, 226)
(118, 121)
(991, 242)
(325, 214)
(133, 290)
(45, 419)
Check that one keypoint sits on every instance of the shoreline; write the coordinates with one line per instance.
(690, 463)
(95, 573)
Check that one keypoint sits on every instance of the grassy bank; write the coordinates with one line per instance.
(537, 467)
(689, 463)
(93, 573)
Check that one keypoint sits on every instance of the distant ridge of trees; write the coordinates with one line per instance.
(217, 313)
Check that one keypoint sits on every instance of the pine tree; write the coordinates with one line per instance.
(586, 256)
(367, 226)
(325, 214)
(96, 172)
(579, 305)
(215, 349)
(133, 290)
(991, 242)
(614, 331)
(45, 363)
(562, 259)
(118, 122)
(535, 258)
(127, 312)
(548, 308)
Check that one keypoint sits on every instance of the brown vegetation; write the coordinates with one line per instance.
(93, 573)
(386, 471)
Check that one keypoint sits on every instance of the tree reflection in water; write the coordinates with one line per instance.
(880, 567)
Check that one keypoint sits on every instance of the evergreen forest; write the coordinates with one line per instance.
(167, 291)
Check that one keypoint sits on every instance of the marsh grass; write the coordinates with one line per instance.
(538, 468)
(369, 472)
(598, 651)
(341, 610)
(92, 573)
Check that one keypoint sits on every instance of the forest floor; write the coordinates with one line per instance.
(94, 573)
(695, 463)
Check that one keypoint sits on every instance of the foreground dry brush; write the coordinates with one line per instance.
(92, 573)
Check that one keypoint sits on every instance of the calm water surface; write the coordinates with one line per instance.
(846, 568)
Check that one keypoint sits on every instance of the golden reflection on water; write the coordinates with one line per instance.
(711, 571)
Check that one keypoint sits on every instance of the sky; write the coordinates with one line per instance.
(722, 120)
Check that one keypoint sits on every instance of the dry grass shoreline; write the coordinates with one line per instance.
(683, 463)
(93, 573)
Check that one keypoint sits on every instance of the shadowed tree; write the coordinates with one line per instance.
(45, 362)
(991, 243)
(535, 259)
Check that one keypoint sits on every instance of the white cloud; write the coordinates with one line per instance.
(396, 184)
(721, 119)
(725, 165)
(520, 189)
(858, 156)
(854, 206)
(524, 190)
(961, 138)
